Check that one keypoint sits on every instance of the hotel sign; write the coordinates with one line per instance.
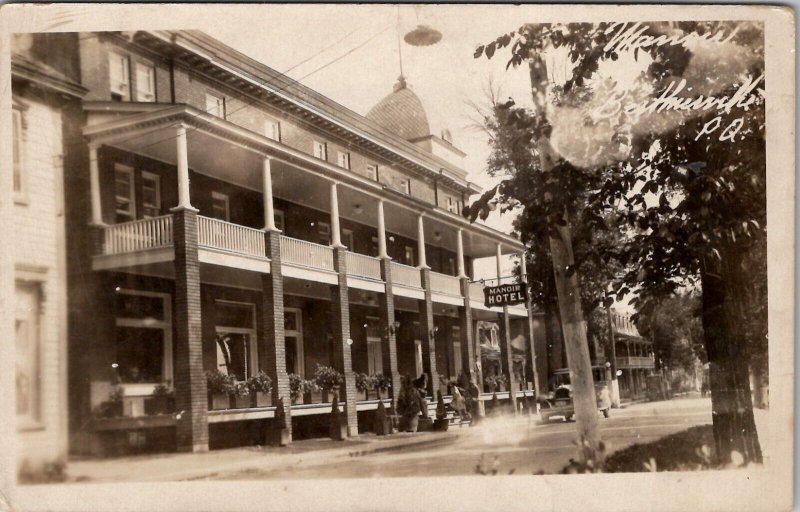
(504, 295)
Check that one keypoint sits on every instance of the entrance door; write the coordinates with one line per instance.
(293, 333)
(374, 348)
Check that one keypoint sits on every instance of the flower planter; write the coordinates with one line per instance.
(260, 399)
(440, 425)
(299, 400)
(408, 423)
(240, 402)
(159, 405)
(217, 401)
(425, 425)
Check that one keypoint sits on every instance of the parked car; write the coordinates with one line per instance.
(561, 405)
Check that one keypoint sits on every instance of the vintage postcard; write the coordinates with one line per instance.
(396, 257)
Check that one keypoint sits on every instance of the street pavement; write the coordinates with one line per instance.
(504, 444)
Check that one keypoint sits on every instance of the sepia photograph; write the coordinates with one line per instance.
(351, 257)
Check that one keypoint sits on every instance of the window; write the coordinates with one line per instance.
(408, 255)
(347, 238)
(280, 222)
(405, 186)
(343, 159)
(324, 233)
(374, 347)
(375, 246)
(236, 339)
(293, 334)
(272, 129)
(145, 82)
(459, 207)
(151, 195)
(28, 347)
(124, 192)
(220, 206)
(143, 337)
(372, 172)
(450, 268)
(215, 104)
(119, 76)
(19, 185)
(320, 150)
(450, 205)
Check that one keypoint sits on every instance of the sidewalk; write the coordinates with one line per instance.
(190, 466)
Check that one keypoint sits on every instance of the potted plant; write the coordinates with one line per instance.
(219, 386)
(162, 401)
(363, 384)
(382, 384)
(408, 406)
(382, 424)
(328, 379)
(260, 386)
(338, 425)
(111, 408)
(502, 382)
(311, 392)
(441, 422)
(296, 388)
(240, 398)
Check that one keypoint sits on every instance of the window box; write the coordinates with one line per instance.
(159, 405)
(218, 401)
(260, 399)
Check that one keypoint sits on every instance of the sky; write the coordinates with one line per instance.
(357, 49)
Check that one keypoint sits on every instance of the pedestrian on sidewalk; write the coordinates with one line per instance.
(409, 405)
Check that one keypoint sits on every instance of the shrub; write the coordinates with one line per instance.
(310, 386)
(217, 382)
(259, 383)
(381, 381)
(327, 378)
(241, 389)
(364, 382)
(162, 390)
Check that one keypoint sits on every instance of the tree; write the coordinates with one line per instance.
(675, 327)
(677, 156)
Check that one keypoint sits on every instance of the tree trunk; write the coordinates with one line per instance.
(733, 423)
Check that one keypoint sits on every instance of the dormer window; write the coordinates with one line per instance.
(119, 69)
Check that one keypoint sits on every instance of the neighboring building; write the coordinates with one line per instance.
(634, 356)
(224, 217)
(39, 94)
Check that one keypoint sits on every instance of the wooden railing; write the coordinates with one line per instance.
(138, 235)
(476, 292)
(230, 237)
(635, 362)
(307, 254)
(362, 265)
(445, 284)
(405, 275)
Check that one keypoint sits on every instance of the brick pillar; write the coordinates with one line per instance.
(389, 348)
(342, 357)
(271, 341)
(507, 357)
(190, 383)
(426, 324)
(97, 235)
(467, 346)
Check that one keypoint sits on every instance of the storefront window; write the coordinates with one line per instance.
(143, 337)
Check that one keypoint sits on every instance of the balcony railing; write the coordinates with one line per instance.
(635, 362)
(306, 254)
(445, 284)
(226, 236)
(476, 292)
(405, 275)
(138, 235)
(363, 266)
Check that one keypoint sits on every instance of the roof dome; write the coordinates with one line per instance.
(401, 113)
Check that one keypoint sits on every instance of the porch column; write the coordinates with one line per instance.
(460, 255)
(342, 357)
(427, 325)
(94, 184)
(505, 342)
(381, 232)
(183, 167)
(421, 242)
(537, 386)
(336, 232)
(389, 349)
(269, 208)
(272, 342)
(191, 400)
(467, 347)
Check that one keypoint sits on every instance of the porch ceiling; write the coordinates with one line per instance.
(225, 151)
